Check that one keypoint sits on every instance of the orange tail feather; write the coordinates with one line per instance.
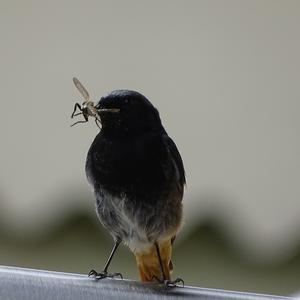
(148, 262)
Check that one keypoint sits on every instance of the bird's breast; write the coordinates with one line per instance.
(135, 166)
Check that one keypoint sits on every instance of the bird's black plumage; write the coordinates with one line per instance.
(136, 172)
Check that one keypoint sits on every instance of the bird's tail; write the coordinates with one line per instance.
(149, 265)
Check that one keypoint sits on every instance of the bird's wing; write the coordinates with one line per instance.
(175, 155)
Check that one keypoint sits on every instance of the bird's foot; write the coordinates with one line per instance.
(173, 283)
(103, 275)
(169, 283)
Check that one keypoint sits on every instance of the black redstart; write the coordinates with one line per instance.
(138, 179)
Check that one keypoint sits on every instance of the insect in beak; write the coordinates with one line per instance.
(88, 108)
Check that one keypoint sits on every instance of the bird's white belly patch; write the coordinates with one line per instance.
(122, 222)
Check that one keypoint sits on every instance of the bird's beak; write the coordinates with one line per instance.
(110, 110)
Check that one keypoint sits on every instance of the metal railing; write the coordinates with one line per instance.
(23, 284)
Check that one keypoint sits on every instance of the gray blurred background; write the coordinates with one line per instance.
(225, 78)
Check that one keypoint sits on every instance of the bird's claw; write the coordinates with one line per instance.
(173, 283)
(169, 283)
(103, 274)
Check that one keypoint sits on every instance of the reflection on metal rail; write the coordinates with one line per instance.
(18, 283)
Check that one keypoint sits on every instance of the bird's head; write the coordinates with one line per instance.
(135, 114)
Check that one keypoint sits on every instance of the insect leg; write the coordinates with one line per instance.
(77, 105)
(77, 114)
(97, 123)
(79, 122)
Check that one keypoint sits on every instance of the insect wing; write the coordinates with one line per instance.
(81, 89)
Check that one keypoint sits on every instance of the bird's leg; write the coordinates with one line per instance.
(104, 273)
(77, 105)
(165, 281)
(160, 261)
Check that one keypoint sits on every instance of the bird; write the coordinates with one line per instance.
(138, 178)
